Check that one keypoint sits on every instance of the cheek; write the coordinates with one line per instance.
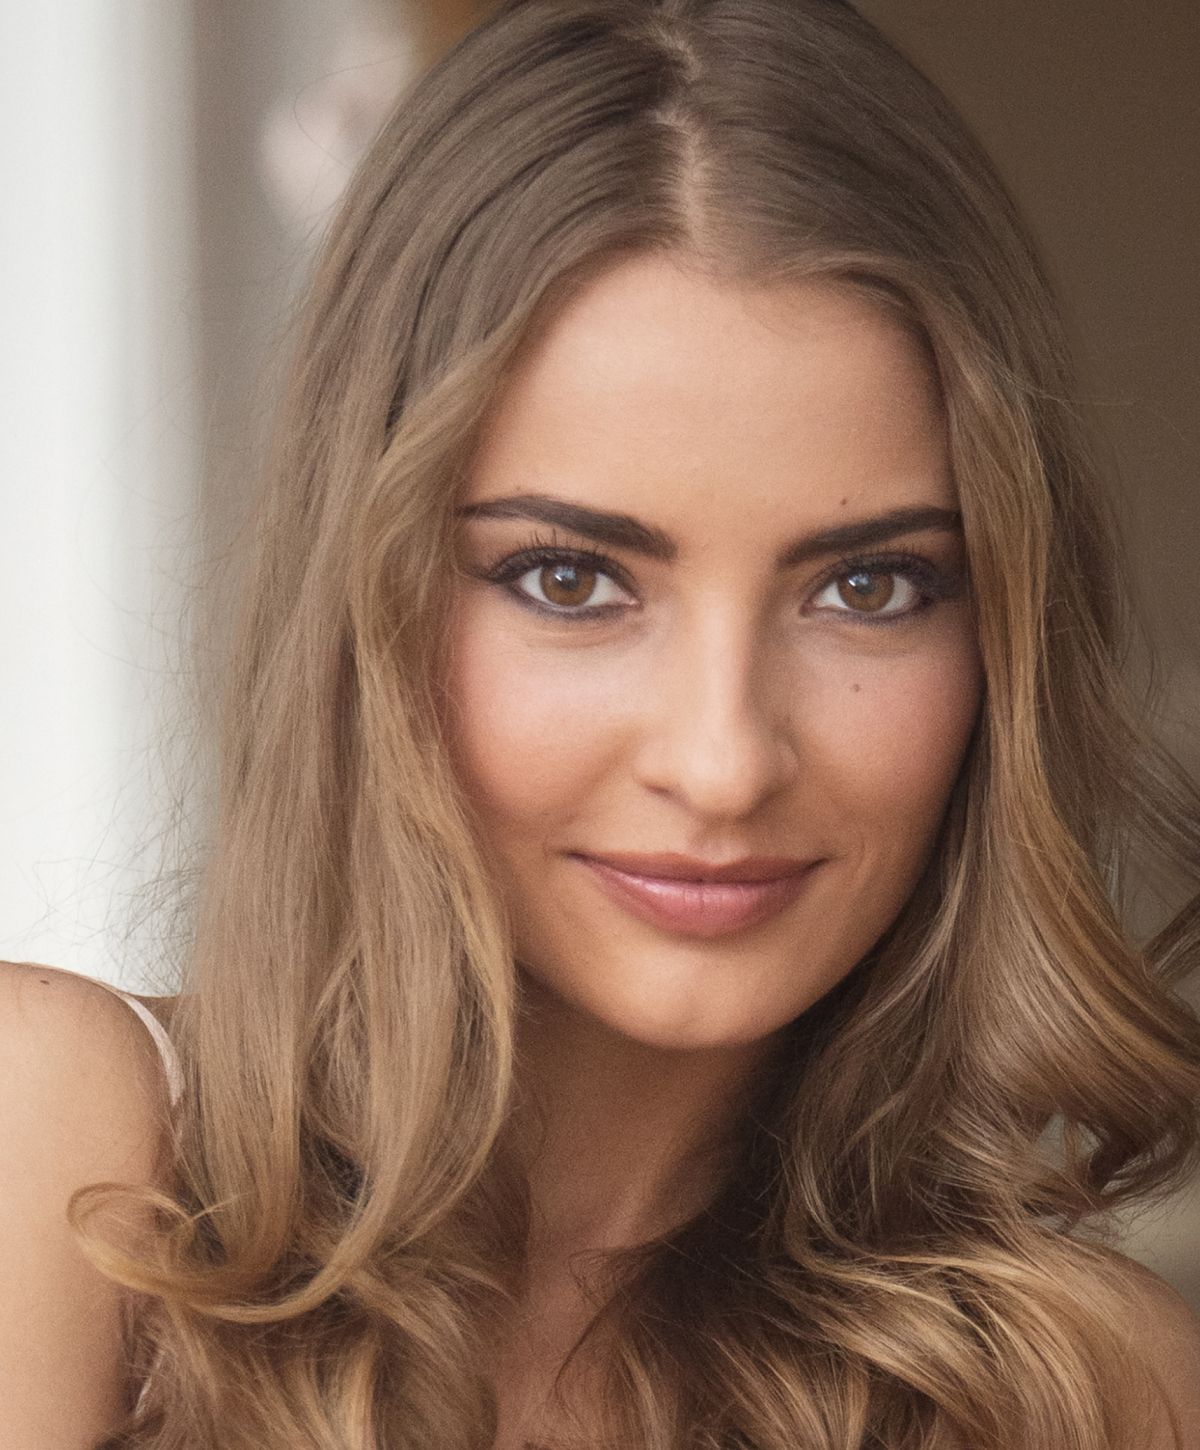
(528, 726)
(893, 746)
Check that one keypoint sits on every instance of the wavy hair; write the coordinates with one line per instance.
(913, 1245)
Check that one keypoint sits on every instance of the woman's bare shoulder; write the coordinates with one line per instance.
(82, 1088)
(82, 1100)
(71, 991)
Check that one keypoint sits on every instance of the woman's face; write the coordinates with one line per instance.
(721, 683)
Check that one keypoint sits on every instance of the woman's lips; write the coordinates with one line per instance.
(698, 908)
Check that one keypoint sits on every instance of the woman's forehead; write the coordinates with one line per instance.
(656, 384)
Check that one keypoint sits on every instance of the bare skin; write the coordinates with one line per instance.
(723, 707)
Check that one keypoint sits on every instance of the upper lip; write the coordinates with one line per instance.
(672, 866)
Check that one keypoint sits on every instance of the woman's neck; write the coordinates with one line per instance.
(622, 1140)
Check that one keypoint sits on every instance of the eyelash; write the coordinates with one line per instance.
(932, 584)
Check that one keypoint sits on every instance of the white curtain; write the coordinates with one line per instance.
(100, 458)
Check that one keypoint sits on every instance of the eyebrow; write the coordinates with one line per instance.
(623, 531)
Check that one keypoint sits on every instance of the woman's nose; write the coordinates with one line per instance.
(716, 725)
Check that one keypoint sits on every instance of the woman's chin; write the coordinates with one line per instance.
(668, 1019)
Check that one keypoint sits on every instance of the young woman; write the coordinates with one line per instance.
(660, 975)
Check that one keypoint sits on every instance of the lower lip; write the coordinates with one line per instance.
(698, 908)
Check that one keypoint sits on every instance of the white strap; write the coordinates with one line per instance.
(166, 1048)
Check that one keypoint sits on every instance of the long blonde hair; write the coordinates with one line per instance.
(913, 1246)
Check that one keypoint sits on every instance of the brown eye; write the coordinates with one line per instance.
(867, 590)
(566, 584)
(560, 583)
(880, 592)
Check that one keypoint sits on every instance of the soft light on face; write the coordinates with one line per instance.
(709, 696)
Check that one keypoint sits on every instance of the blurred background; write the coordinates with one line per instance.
(169, 169)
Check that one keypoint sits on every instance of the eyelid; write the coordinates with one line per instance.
(932, 582)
